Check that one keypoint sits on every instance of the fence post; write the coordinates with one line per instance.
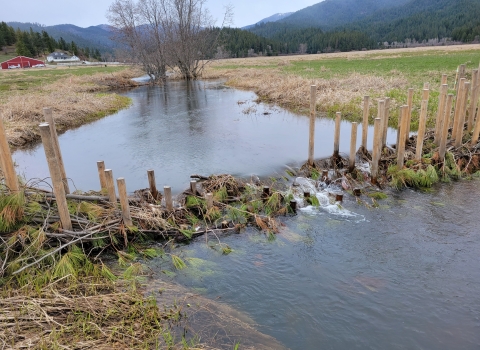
(377, 140)
(122, 192)
(442, 98)
(311, 138)
(421, 129)
(152, 184)
(353, 147)
(402, 139)
(381, 115)
(47, 112)
(209, 199)
(56, 176)
(336, 141)
(473, 100)
(446, 125)
(112, 197)
(461, 116)
(458, 107)
(409, 115)
(167, 192)
(366, 104)
(101, 174)
(385, 124)
(8, 168)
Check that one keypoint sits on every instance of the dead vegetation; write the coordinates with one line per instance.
(74, 100)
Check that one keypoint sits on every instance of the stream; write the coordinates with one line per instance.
(403, 275)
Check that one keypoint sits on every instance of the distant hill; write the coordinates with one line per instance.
(93, 37)
(274, 18)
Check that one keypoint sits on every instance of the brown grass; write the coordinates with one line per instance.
(75, 100)
(293, 92)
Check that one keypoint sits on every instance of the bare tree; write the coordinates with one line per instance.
(175, 33)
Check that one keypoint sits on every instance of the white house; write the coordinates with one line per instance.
(61, 57)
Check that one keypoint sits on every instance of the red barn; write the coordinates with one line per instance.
(22, 62)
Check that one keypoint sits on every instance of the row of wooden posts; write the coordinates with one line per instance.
(443, 121)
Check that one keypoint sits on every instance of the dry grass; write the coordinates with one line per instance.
(74, 100)
(293, 92)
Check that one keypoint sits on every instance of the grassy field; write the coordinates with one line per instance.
(77, 95)
(343, 79)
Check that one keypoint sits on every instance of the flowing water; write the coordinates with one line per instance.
(404, 275)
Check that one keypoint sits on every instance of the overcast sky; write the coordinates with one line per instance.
(85, 13)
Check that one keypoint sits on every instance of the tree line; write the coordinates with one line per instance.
(33, 44)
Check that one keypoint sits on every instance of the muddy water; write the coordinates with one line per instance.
(182, 129)
(402, 276)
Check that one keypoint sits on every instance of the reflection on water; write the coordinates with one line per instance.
(406, 277)
(181, 129)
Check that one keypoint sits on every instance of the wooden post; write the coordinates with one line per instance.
(473, 100)
(112, 197)
(385, 124)
(409, 115)
(442, 98)
(47, 112)
(152, 184)
(377, 140)
(293, 205)
(426, 86)
(446, 125)
(381, 115)
(209, 199)
(101, 174)
(122, 192)
(353, 147)
(403, 131)
(421, 130)
(444, 79)
(56, 175)
(336, 141)
(460, 76)
(476, 130)
(426, 94)
(398, 127)
(366, 104)
(193, 187)
(311, 138)
(458, 107)
(461, 118)
(167, 192)
(6, 161)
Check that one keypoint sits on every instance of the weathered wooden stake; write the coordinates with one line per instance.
(442, 98)
(460, 76)
(112, 197)
(122, 192)
(426, 94)
(444, 79)
(445, 126)
(311, 138)
(56, 176)
(421, 130)
(336, 141)
(6, 161)
(47, 112)
(461, 117)
(426, 86)
(366, 104)
(473, 100)
(409, 115)
(167, 192)
(152, 184)
(209, 200)
(381, 115)
(398, 128)
(476, 130)
(377, 140)
(458, 107)
(101, 174)
(193, 187)
(403, 131)
(385, 124)
(353, 147)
